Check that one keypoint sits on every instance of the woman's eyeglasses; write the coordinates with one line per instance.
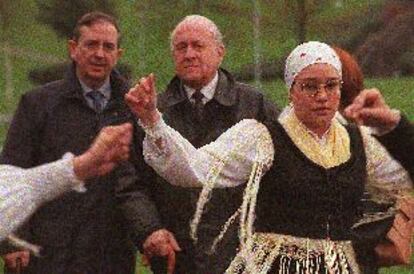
(312, 87)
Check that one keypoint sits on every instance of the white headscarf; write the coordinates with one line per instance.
(309, 53)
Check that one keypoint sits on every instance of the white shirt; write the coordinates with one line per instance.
(105, 90)
(208, 90)
(22, 191)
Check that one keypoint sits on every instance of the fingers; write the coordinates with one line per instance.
(174, 243)
(367, 98)
(402, 226)
(145, 260)
(11, 260)
(171, 262)
(406, 206)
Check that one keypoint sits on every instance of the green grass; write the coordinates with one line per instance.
(146, 26)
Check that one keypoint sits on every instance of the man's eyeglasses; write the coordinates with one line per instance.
(312, 87)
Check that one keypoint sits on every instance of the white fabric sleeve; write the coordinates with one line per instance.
(22, 191)
(229, 159)
(387, 179)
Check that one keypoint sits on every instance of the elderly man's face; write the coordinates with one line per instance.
(95, 53)
(197, 55)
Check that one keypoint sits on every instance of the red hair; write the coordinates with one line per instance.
(351, 76)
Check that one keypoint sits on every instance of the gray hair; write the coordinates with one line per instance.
(199, 20)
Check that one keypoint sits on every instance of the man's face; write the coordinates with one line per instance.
(95, 53)
(197, 55)
(315, 95)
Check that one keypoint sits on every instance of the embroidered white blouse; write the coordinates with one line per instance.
(22, 191)
(235, 151)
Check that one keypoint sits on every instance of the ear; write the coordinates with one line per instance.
(72, 47)
(221, 50)
(120, 53)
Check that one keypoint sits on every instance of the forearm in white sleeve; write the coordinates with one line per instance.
(22, 191)
(229, 159)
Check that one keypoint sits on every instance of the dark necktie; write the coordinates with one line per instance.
(198, 104)
(98, 100)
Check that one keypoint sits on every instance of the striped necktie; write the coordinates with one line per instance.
(198, 104)
(98, 100)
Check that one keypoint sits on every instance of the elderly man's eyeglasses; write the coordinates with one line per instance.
(311, 87)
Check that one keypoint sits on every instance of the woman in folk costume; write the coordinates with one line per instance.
(305, 173)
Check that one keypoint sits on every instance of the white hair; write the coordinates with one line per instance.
(199, 20)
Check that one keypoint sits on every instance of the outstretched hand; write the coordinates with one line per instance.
(370, 109)
(142, 100)
(110, 147)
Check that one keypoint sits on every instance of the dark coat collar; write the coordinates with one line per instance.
(175, 92)
(119, 85)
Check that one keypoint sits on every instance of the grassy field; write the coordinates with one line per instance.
(146, 25)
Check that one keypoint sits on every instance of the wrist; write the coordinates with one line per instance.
(151, 120)
(396, 117)
(80, 167)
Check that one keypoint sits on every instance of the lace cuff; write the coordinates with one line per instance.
(68, 172)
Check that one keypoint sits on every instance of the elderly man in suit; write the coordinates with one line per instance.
(201, 102)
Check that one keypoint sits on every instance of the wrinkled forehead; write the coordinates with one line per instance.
(198, 31)
(99, 30)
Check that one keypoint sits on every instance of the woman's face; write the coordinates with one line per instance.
(315, 95)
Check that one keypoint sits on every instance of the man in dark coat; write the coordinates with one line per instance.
(396, 134)
(79, 232)
(201, 102)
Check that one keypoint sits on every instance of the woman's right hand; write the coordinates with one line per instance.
(142, 100)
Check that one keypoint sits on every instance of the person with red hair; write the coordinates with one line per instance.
(395, 249)
(352, 78)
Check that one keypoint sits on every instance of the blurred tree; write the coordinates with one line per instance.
(62, 15)
(389, 51)
(7, 9)
(301, 12)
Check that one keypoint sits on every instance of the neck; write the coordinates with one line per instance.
(197, 85)
(319, 131)
(91, 83)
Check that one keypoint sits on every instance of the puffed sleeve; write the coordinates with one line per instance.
(228, 161)
(23, 190)
(387, 179)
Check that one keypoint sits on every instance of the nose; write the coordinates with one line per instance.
(321, 94)
(99, 52)
(190, 52)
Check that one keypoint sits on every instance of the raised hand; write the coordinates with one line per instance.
(142, 100)
(110, 147)
(370, 109)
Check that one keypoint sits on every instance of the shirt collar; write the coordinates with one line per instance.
(105, 89)
(208, 90)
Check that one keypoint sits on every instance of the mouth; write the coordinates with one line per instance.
(190, 66)
(322, 110)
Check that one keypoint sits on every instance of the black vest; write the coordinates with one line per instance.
(300, 198)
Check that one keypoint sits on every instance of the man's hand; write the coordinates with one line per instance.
(162, 243)
(110, 147)
(370, 109)
(11, 260)
(142, 100)
(398, 248)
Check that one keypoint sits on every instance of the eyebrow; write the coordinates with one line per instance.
(315, 79)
